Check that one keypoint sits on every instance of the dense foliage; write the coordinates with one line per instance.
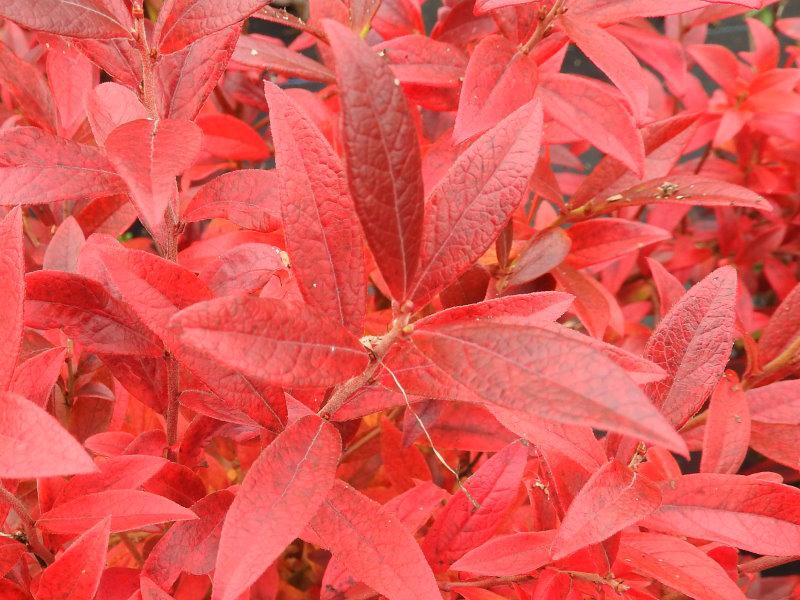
(352, 318)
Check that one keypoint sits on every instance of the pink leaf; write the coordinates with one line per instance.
(509, 554)
(599, 240)
(77, 18)
(12, 290)
(727, 430)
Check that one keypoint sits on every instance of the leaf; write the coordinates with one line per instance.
(12, 291)
(545, 251)
(186, 78)
(268, 54)
(509, 554)
(144, 153)
(226, 136)
(460, 526)
(280, 494)
(28, 86)
(33, 444)
(472, 203)
(10, 552)
(677, 564)
(382, 157)
(249, 198)
(753, 514)
(100, 19)
(271, 341)
(374, 545)
(782, 329)
(777, 402)
(128, 509)
(499, 79)
(595, 241)
(669, 287)
(532, 375)
(115, 473)
(692, 344)
(727, 431)
(189, 546)
(244, 268)
(181, 22)
(64, 247)
(76, 573)
(37, 168)
(323, 236)
(587, 108)
(613, 498)
(110, 105)
(85, 311)
(35, 377)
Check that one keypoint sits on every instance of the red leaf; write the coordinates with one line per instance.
(599, 240)
(268, 54)
(35, 377)
(76, 573)
(189, 546)
(126, 472)
(693, 343)
(280, 494)
(226, 136)
(373, 544)
(475, 199)
(727, 430)
(510, 554)
(144, 153)
(323, 236)
(77, 18)
(402, 465)
(613, 498)
(64, 247)
(27, 85)
(460, 526)
(669, 288)
(783, 328)
(12, 291)
(498, 80)
(36, 168)
(587, 108)
(545, 251)
(254, 336)
(244, 268)
(745, 512)
(128, 509)
(86, 312)
(248, 197)
(677, 564)
(531, 374)
(10, 552)
(382, 157)
(33, 443)
(181, 22)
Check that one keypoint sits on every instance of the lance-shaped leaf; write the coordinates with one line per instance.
(537, 370)
(101, 19)
(750, 513)
(472, 203)
(33, 443)
(28, 86)
(498, 80)
(110, 105)
(85, 310)
(460, 526)
(677, 564)
(727, 430)
(587, 108)
(382, 157)
(613, 498)
(268, 54)
(669, 287)
(116, 473)
(76, 573)
(149, 154)
(510, 554)
(186, 78)
(36, 168)
(545, 252)
(251, 198)
(323, 236)
(128, 509)
(693, 344)
(280, 494)
(600, 240)
(181, 22)
(373, 543)
(782, 330)
(65, 247)
(271, 341)
(12, 291)
(522, 309)
(35, 377)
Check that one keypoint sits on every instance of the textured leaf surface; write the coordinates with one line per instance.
(377, 549)
(321, 227)
(532, 374)
(472, 203)
(34, 444)
(692, 344)
(128, 509)
(12, 292)
(727, 431)
(75, 18)
(599, 240)
(29, 87)
(613, 498)
(252, 335)
(509, 554)
(382, 157)
(76, 573)
(280, 494)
